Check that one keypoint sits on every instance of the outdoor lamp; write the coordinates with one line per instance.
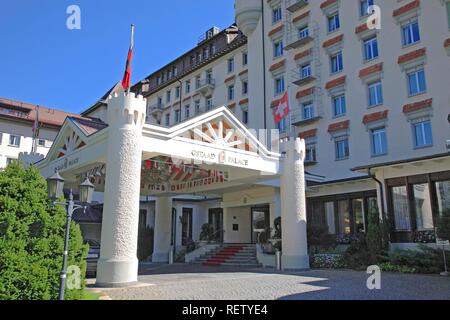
(55, 185)
(86, 191)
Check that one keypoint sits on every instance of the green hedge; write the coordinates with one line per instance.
(32, 239)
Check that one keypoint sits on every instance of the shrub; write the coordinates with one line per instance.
(374, 236)
(427, 260)
(389, 267)
(32, 232)
(318, 237)
(145, 243)
(357, 256)
(207, 232)
(277, 227)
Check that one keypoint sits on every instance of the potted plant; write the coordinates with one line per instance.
(207, 233)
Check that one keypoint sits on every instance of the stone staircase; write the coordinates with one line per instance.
(232, 255)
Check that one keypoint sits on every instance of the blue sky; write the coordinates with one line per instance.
(43, 62)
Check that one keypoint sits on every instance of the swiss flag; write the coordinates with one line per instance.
(282, 110)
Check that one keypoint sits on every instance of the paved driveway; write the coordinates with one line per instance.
(181, 282)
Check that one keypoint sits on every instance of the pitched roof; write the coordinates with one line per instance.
(27, 112)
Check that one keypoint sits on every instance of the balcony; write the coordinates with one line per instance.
(295, 5)
(297, 42)
(298, 119)
(302, 78)
(156, 108)
(206, 86)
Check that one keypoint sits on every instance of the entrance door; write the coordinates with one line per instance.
(215, 218)
(260, 221)
(186, 227)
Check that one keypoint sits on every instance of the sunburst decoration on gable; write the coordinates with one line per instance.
(71, 143)
(220, 133)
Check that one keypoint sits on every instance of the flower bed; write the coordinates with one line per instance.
(327, 261)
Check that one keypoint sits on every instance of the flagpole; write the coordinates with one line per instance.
(131, 46)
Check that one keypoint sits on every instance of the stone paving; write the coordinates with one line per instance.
(187, 282)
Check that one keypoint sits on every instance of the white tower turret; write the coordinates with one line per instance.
(248, 13)
(118, 264)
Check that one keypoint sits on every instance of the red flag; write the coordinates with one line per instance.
(127, 76)
(282, 110)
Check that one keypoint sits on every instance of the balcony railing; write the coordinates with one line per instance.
(298, 118)
(206, 86)
(294, 40)
(295, 5)
(300, 79)
(158, 107)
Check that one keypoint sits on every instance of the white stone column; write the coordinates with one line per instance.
(293, 208)
(163, 230)
(118, 263)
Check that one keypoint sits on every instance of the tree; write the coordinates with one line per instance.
(32, 233)
(145, 243)
(443, 225)
(374, 237)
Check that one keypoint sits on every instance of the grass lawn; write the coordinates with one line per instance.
(88, 295)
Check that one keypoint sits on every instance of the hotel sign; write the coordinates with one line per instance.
(66, 164)
(221, 157)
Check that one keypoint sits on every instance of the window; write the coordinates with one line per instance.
(343, 217)
(416, 82)
(410, 33)
(158, 80)
(443, 196)
(160, 103)
(177, 92)
(277, 15)
(279, 86)
(339, 106)
(168, 96)
(245, 117)
(187, 87)
(244, 87)
(401, 208)
(186, 112)
(41, 142)
(337, 63)
(423, 136)
(177, 116)
(282, 125)
(305, 71)
(209, 76)
(422, 202)
(378, 141)
(197, 82)
(364, 7)
(244, 58)
(197, 107)
(1, 138)
(230, 93)
(209, 103)
(358, 214)
(14, 141)
(10, 161)
(448, 14)
(333, 22)
(303, 32)
(308, 111)
(278, 48)
(167, 119)
(371, 49)
(375, 94)
(342, 148)
(310, 155)
(230, 65)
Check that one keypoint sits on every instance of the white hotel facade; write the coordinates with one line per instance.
(371, 106)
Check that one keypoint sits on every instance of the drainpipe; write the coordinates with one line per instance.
(380, 184)
(264, 66)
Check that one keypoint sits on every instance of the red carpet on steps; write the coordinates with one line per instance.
(223, 256)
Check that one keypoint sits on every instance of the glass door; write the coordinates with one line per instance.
(260, 221)
(186, 227)
(215, 219)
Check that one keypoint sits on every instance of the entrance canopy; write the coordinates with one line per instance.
(210, 152)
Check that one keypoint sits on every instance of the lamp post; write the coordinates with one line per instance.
(55, 186)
